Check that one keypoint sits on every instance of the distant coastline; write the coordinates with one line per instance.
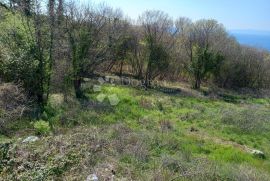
(259, 39)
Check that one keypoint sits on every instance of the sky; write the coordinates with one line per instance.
(234, 14)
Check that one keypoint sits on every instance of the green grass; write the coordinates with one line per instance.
(148, 135)
(4, 139)
(204, 114)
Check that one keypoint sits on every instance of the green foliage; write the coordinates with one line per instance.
(17, 48)
(23, 58)
(203, 62)
(123, 47)
(148, 135)
(158, 61)
(4, 148)
(42, 127)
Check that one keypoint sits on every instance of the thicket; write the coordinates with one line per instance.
(51, 46)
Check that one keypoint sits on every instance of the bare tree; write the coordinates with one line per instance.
(158, 36)
(199, 41)
(88, 40)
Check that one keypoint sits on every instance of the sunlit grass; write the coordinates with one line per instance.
(147, 128)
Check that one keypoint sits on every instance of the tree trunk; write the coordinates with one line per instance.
(197, 84)
(40, 100)
(121, 68)
(77, 86)
(51, 48)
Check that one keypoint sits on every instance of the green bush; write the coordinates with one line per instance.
(42, 127)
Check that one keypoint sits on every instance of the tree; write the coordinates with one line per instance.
(199, 39)
(26, 50)
(51, 20)
(120, 41)
(136, 58)
(122, 49)
(203, 62)
(88, 41)
(158, 36)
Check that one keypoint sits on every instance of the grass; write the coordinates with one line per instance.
(153, 136)
(4, 139)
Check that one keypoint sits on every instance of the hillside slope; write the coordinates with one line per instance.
(125, 133)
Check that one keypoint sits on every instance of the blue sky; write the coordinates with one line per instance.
(234, 14)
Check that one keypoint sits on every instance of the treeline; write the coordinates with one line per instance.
(50, 46)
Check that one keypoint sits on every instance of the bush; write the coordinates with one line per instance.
(247, 120)
(13, 104)
(42, 127)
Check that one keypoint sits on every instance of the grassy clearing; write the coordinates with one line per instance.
(149, 136)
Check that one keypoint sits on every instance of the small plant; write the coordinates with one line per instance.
(145, 103)
(165, 125)
(42, 127)
(160, 106)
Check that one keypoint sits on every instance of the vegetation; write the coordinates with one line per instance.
(148, 135)
(42, 127)
(191, 103)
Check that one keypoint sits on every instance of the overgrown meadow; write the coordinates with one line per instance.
(148, 135)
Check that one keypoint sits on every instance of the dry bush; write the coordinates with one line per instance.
(252, 119)
(146, 103)
(131, 143)
(247, 173)
(165, 125)
(189, 116)
(194, 169)
(73, 155)
(13, 104)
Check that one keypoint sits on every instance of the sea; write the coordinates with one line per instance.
(258, 39)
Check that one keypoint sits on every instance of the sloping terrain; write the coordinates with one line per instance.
(125, 133)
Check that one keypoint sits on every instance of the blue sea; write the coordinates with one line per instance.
(259, 39)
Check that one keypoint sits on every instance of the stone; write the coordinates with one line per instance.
(258, 153)
(101, 97)
(101, 80)
(92, 177)
(107, 78)
(30, 139)
(114, 100)
(97, 88)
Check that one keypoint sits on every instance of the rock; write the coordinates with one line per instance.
(97, 88)
(125, 80)
(107, 78)
(258, 153)
(101, 80)
(92, 177)
(114, 100)
(30, 139)
(101, 97)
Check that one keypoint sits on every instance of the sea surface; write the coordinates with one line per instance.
(259, 39)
